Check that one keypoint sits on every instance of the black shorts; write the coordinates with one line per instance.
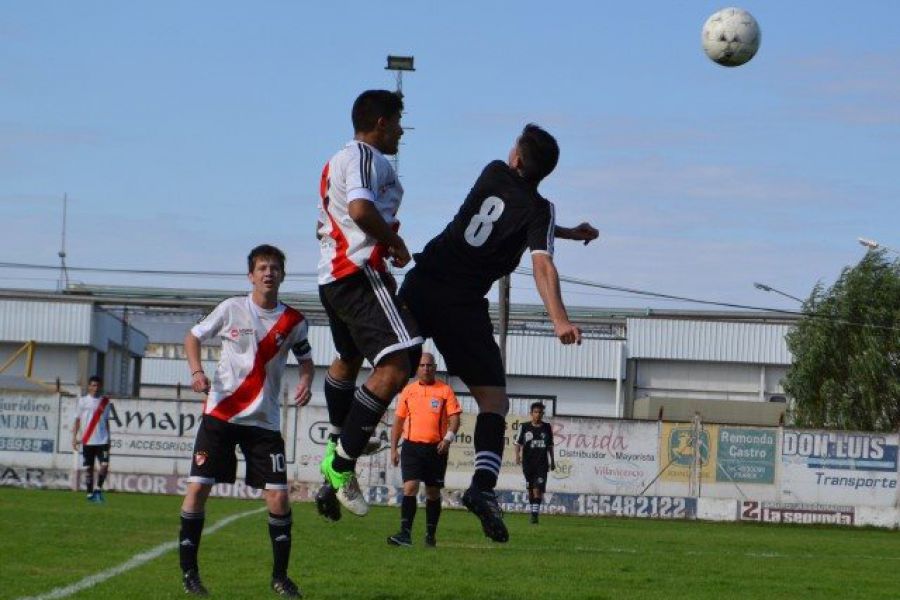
(460, 326)
(100, 453)
(421, 462)
(366, 318)
(214, 460)
(535, 477)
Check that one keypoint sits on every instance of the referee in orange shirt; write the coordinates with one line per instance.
(427, 416)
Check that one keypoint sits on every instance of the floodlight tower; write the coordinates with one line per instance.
(399, 64)
(63, 283)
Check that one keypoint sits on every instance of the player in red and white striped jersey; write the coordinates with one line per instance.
(93, 411)
(242, 409)
(360, 196)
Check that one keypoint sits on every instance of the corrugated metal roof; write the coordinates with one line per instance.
(65, 323)
(757, 343)
(545, 356)
(48, 322)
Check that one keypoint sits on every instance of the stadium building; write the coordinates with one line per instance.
(643, 364)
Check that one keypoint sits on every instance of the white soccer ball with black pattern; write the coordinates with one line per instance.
(731, 37)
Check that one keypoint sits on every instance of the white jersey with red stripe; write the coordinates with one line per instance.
(86, 412)
(357, 172)
(246, 386)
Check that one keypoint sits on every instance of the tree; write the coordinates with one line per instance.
(846, 347)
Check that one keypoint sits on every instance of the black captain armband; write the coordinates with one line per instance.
(301, 349)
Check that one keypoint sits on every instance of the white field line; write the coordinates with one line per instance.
(133, 562)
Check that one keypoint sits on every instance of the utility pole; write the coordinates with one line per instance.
(126, 354)
(63, 283)
(503, 307)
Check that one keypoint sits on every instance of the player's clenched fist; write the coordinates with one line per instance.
(200, 382)
(568, 333)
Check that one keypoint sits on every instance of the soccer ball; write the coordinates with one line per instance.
(730, 37)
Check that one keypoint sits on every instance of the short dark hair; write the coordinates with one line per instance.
(264, 251)
(536, 405)
(539, 153)
(95, 379)
(372, 105)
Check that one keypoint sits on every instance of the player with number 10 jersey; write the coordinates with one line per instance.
(502, 216)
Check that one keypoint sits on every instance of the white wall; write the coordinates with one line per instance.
(719, 381)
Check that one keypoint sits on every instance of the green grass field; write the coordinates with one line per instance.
(53, 539)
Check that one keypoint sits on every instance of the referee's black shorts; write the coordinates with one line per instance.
(366, 318)
(460, 326)
(421, 462)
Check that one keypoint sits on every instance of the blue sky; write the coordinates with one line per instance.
(186, 133)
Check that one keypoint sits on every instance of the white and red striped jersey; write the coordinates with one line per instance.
(255, 341)
(92, 414)
(357, 172)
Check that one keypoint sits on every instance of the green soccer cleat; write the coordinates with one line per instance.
(344, 483)
(336, 479)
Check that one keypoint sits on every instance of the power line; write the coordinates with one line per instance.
(594, 284)
(162, 272)
(518, 271)
(638, 292)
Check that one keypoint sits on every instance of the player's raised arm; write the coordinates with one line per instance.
(583, 232)
(546, 278)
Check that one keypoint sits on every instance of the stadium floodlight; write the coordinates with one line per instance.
(400, 63)
(768, 288)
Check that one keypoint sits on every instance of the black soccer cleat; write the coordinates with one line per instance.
(400, 539)
(534, 519)
(327, 503)
(192, 584)
(483, 504)
(430, 541)
(286, 588)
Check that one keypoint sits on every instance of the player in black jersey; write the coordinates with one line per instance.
(534, 451)
(502, 216)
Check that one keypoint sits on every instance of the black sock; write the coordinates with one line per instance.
(489, 430)
(338, 397)
(89, 480)
(432, 516)
(101, 478)
(189, 539)
(280, 533)
(365, 413)
(408, 513)
(536, 505)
